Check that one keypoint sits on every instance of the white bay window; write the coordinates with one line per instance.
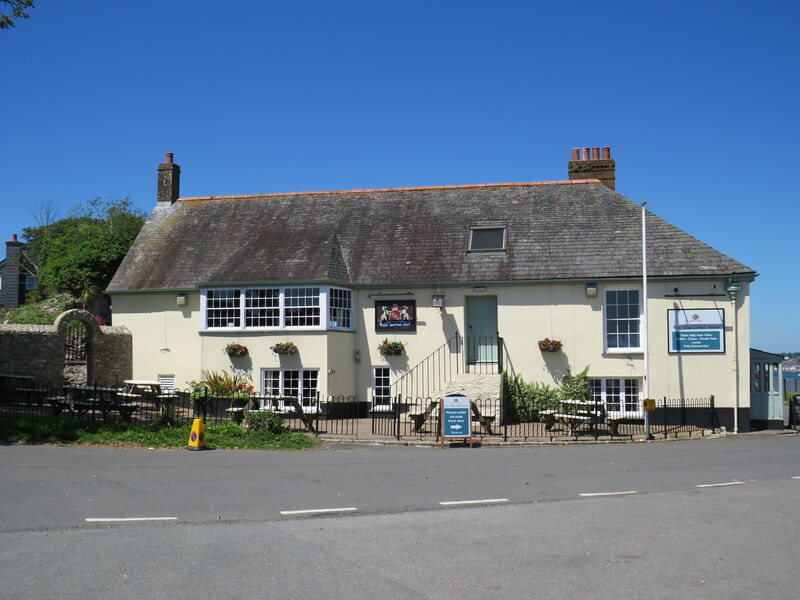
(276, 308)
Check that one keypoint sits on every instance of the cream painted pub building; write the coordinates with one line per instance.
(502, 266)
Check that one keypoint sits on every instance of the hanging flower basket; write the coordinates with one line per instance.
(388, 348)
(233, 350)
(548, 345)
(284, 348)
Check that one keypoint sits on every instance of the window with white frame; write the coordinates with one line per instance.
(277, 308)
(301, 307)
(621, 397)
(381, 388)
(623, 320)
(340, 309)
(223, 308)
(301, 384)
(262, 307)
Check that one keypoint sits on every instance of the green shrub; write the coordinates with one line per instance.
(575, 387)
(266, 421)
(58, 430)
(524, 401)
(235, 384)
(43, 312)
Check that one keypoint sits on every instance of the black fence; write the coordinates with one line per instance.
(334, 415)
(343, 416)
(672, 417)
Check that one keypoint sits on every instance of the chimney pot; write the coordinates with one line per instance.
(582, 167)
(169, 182)
(13, 237)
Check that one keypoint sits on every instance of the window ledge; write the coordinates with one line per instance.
(623, 351)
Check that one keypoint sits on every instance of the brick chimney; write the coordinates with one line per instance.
(12, 292)
(583, 167)
(169, 181)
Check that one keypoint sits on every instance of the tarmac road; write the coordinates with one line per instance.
(714, 518)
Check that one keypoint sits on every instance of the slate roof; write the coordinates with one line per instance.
(403, 236)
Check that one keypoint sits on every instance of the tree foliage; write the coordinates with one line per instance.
(19, 10)
(80, 254)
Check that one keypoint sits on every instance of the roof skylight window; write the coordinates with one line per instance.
(487, 239)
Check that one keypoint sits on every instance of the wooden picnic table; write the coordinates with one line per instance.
(81, 399)
(573, 413)
(146, 389)
(8, 382)
(418, 419)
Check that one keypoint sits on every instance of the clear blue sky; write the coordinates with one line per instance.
(697, 99)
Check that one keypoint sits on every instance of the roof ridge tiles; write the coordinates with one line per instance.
(399, 189)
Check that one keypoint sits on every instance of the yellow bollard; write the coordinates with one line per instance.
(197, 439)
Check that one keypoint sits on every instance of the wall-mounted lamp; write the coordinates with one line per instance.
(591, 290)
(437, 300)
(733, 289)
(181, 299)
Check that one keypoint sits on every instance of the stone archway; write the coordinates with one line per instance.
(78, 330)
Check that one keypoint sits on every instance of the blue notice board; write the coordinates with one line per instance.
(696, 330)
(456, 420)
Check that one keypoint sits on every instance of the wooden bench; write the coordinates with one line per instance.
(549, 417)
(236, 414)
(57, 403)
(305, 418)
(572, 421)
(418, 419)
(477, 417)
(104, 407)
(614, 423)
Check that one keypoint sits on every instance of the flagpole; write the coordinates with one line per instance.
(645, 344)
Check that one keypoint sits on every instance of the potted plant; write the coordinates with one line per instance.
(548, 345)
(233, 350)
(284, 348)
(393, 348)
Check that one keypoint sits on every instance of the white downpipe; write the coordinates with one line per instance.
(735, 363)
(645, 344)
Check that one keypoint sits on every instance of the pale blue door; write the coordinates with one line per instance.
(481, 329)
(766, 392)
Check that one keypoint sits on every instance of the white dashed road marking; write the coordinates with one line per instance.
(124, 519)
(317, 511)
(609, 493)
(707, 485)
(486, 501)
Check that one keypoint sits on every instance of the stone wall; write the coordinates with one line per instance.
(477, 386)
(38, 350)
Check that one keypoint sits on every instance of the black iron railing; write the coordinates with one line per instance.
(340, 416)
(457, 355)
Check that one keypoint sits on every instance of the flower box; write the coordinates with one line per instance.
(284, 348)
(393, 348)
(233, 350)
(548, 345)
